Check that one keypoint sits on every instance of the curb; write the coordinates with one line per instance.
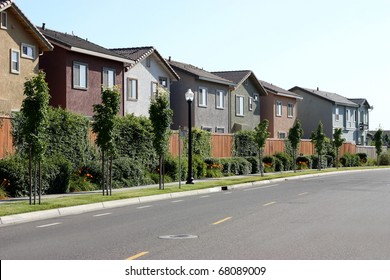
(75, 210)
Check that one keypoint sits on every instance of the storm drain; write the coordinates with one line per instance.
(178, 236)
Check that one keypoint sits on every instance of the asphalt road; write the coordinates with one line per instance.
(337, 216)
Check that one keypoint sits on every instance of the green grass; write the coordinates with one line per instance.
(19, 207)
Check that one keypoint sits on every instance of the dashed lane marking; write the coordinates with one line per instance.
(137, 256)
(221, 221)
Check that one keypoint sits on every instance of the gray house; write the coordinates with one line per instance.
(244, 108)
(210, 108)
(332, 109)
(363, 120)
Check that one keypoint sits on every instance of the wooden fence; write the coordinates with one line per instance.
(6, 145)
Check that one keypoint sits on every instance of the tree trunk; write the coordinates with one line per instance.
(30, 174)
(295, 161)
(39, 182)
(110, 175)
(261, 162)
(160, 185)
(103, 177)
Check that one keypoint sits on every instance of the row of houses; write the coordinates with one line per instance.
(224, 101)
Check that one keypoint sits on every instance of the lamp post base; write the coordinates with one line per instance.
(190, 181)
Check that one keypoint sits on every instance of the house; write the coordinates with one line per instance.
(362, 118)
(142, 78)
(280, 108)
(77, 69)
(21, 45)
(332, 109)
(244, 108)
(211, 101)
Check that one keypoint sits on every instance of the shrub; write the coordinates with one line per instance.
(56, 174)
(384, 159)
(363, 158)
(286, 160)
(235, 166)
(214, 168)
(199, 167)
(278, 165)
(315, 163)
(244, 143)
(14, 176)
(127, 173)
(254, 161)
(350, 160)
(171, 167)
(303, 162)
(269, 164)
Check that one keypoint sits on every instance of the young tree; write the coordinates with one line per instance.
(338, 141)
(161, 117)
(294, 136)
(35, 114)
(318, 139)
(104, 125)
(378, 140)
(261, 137)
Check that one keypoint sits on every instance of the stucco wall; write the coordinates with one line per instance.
(12, 85)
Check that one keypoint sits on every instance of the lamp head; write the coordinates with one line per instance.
(189, 95)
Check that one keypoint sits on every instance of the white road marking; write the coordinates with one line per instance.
(204, 196)
(143, 207)
(101, 215)
(176, 201)
(269, 203)
(259, 188)
(48, 225)
(302, 193)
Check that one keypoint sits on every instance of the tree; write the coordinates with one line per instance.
(104, 125)
(261, 138)
(338, 141)
(161, 117)
(294, 136)
(378, 140)
(34, 112)
(318, 139)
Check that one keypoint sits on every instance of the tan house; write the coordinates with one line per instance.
(21, 43)
(279, 107)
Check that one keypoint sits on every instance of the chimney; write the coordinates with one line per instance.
(43, 26)
(169, 59)
(318, 89)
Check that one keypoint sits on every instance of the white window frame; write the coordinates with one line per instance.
(250, 104)
(220, 99)
(219, 129)
(240, 105)
(26, 54)
(337, 114)
(77, 81)
(279, 108)
(207, 128)
(154, 88)
(108, 76)
(290, 110)
(282, 135)
(3, 20)
(15, 70)
(162, 80)
(131, 86)
(202, 97)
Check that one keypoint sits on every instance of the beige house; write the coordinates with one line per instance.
(21, 43)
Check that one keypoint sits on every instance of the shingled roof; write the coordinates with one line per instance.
(360, 101)
(80, 45)
(200, 73)
(330, 96)
(280, 91)
(30, 28)
(138, 54)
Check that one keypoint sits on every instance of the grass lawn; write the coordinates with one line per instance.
(11, 208)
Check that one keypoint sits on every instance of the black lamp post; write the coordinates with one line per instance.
(189, 97)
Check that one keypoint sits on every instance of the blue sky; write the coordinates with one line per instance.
(340, 46)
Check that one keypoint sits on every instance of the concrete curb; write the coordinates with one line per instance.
(74, 210)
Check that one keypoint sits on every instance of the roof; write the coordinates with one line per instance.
(280, 91)
(330, 96)
(360, 101)
(30, 28)
(138, 54)
(239, 76)
(74, 43)
(200, 73)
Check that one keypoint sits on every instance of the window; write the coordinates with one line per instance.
(337, 113)
(282, 135)
(108, 78)
(220, 129)
(80, 75)
(250, 104)
(220, 99)
(3, 20)
(15, 61)
(154, 90)
(132, 89)
(28, 51)
(279, 108)
(239, 105)
(163, 81)
(202, 97)
(348, 115)
(290, 110)
(207, 128)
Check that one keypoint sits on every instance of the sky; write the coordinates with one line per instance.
(340, 46)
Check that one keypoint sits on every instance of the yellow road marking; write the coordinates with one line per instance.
(221, 221)
(269, 203)
(137, 256)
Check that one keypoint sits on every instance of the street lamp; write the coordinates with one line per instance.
(189, 97)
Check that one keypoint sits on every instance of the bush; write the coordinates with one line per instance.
(350, 160)
(214, 168)
(363, 158)
(56, 173)
(14, 176)
(127, 173)
(315, 163)
(199, 167)
(244, 143)
(303, 162)
(171, 167)
(286, 160)
(235, 166)
(384, 159)
(269, 164)
(254, 161)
